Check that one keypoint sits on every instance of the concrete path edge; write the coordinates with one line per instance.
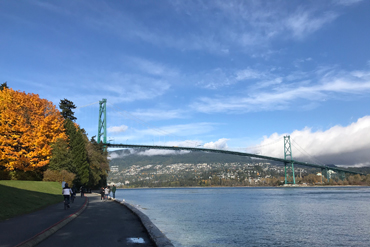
(155, 234)
(52, 229)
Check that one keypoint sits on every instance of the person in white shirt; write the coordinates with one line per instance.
(106, 192)
(67, 193)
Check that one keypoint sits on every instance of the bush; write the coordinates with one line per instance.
(35, 175)
(367, 179)
(59, 176)
(4, 175)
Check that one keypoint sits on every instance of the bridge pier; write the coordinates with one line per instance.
(287, 175)
(102, 121)
(288, 153)
(327, 174)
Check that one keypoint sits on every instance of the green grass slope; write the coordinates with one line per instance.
(21, 197)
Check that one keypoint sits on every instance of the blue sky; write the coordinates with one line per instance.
(222, 74)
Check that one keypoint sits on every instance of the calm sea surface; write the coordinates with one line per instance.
(257, 216)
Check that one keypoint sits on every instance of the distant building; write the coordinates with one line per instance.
(114, 168)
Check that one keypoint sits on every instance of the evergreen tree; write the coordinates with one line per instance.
(61, 157)
(3, 85)
(66, 106)
(71, 131)
(80, 158)
(99, 164)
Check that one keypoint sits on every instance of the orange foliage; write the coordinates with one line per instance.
(28, 125)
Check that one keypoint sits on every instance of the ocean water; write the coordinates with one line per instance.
(336, 216)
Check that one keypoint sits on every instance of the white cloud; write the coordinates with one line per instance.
(219, 144)
(299, 62)
(152, 152)
(149, 152)
(248, 74)
(180, 130)
(117, 129)
(339, 145)
(173, 135)
(281, 95)
(156, 114)
(132, 87)
(238, 25)
(112, 156)
(184, 143)
(346, 2)
(303, 22)
(213, 79)
(118, 86)
(150, 67)
(218, 78)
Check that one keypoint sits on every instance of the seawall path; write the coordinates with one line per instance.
(88, 222)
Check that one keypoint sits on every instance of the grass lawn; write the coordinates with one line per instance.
(20, 197)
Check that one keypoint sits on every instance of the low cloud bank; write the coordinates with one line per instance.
(119, 154)
(152, 152)
(220, 144)
(339, 145)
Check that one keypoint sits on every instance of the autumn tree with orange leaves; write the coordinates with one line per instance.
(28, 127)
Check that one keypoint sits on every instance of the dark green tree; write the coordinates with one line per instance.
(61, 157)
(3, 85)
(70, 129)
(80, 160)
(67, 106)
(99, 164)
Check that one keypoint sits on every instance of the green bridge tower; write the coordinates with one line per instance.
(289, 160)
(102, 129)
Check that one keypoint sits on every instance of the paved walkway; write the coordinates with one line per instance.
(97, 223)
(22, 228)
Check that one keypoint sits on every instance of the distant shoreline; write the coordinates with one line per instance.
(282, 186)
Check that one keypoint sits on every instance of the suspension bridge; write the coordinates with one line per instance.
(288, 160)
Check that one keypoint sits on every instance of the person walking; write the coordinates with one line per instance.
(82, 191)
(66, 193)
(106, 192)
(73, 193)
(114, 191)
(102, 191)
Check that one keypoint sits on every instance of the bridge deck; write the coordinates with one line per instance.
(231, 152)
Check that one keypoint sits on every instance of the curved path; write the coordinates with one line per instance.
(22, 228)
(89, 222)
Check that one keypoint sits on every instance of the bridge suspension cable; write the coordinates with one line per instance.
(265, 145)
(87, 105)
(310, 157)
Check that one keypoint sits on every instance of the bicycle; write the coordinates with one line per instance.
(66, 202)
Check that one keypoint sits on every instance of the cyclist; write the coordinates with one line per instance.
(66, 193)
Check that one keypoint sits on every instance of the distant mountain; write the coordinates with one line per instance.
(126, 157)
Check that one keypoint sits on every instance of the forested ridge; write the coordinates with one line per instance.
(39, 142)
(125, 158)
(135, 168)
